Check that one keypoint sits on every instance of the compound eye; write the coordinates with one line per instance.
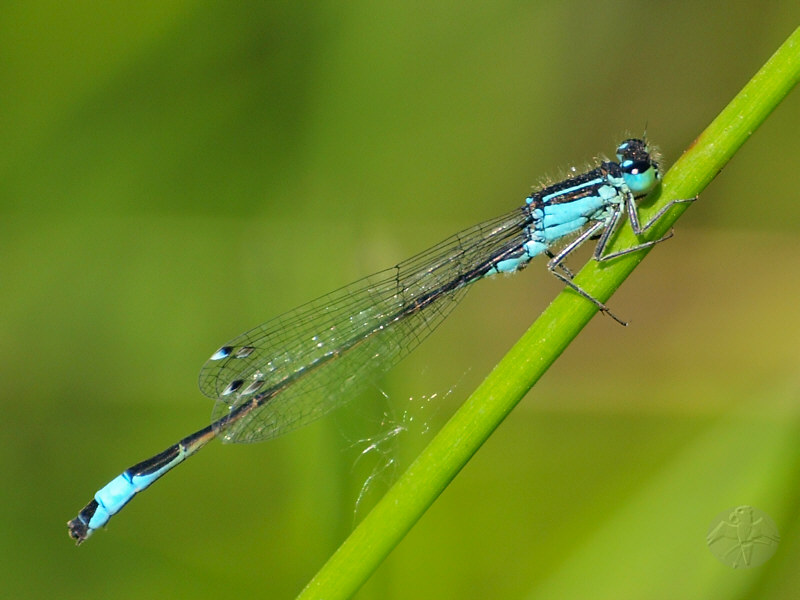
(636, 167)
(641, 176)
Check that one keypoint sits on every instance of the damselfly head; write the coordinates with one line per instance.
(639, 166)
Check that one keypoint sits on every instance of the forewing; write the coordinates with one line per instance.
(306, 362)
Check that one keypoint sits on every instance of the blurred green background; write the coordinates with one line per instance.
(174, 173)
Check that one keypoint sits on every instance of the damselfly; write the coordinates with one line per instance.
(296, 367)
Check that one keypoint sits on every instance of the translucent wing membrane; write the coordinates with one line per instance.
(296, 367)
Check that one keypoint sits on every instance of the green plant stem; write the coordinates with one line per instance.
(401, 507)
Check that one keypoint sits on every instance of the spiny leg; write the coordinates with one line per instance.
(562, 266)
(633, 217)
(555, 263)
(608, 227)
(633, 214)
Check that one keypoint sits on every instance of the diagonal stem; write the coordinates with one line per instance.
(401, 507)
